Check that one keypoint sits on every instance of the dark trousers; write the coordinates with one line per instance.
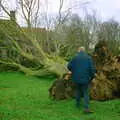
(82, 90)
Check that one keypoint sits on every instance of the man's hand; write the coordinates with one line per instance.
(69, 72)
(93, 81)
(68, 75)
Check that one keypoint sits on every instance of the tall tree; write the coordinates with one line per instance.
(110, 31)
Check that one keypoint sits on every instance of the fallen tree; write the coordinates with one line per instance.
(106, 84)
(26, 53)
(25, 50)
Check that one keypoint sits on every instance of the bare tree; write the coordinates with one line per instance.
(30, 10)
(4, 7)
(110, 31)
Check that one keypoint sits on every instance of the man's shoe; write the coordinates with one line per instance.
(88, 111)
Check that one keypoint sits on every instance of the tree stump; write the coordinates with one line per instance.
(62, 89)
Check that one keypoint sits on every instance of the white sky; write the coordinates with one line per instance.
(105, 9)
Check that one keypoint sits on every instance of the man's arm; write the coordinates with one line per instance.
(69, 66)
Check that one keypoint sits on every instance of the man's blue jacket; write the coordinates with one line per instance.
(82, 68)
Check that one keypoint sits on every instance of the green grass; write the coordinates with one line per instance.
(26, 98)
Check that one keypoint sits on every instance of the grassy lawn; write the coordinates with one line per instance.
(26, 98)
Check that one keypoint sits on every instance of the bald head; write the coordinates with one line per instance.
(81, 49)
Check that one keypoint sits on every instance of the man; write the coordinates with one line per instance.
(82, 69)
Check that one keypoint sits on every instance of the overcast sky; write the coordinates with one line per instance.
(105, 9)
